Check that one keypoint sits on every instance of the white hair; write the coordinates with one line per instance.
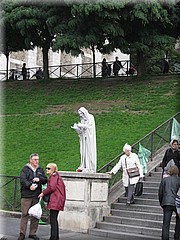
(127, 147)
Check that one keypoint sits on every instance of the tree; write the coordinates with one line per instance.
(134, 28)
(146, 27)
(13, 40)
(89, 26)
(34, 23)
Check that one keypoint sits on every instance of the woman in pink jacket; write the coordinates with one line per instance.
(56, 190)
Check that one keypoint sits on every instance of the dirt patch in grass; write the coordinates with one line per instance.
(93, 107)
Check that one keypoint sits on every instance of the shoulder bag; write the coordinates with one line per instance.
(132, 172)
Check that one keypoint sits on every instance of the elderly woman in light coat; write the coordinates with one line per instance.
(128, 160)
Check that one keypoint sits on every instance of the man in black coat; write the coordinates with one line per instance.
(117, 66)
(31, 178)
(168, 189)
(172, 153)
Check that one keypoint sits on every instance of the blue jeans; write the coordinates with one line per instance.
(167, 214)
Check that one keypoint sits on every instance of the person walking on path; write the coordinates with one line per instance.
(116, 66)
(57, 192)
(105, 68)
(32, 176)
(24, 71)
(127, 161)
(167, 194)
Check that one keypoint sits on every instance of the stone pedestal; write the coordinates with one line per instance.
(87, 200)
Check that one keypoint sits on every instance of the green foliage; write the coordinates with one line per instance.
(134, 27)
(39, 116)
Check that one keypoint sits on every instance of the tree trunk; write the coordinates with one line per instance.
(140, 64)
(94, 59)
(7, 65)
(45, 51)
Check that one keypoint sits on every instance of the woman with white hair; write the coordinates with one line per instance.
(127, 161)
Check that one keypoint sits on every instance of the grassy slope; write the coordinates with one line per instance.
(39, 116)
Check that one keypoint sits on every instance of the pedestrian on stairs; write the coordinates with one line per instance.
(128, 160)
(171, 157)
(168, 189)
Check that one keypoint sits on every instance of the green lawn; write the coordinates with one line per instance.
(39, 117)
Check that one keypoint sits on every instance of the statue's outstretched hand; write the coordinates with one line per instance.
(75, 126)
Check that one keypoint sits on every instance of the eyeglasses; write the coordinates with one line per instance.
(48, 168)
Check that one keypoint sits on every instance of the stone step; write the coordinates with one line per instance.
(142, 201)
(158, 169)
(137, 214)
(148, 231)
(153, 179)
(119, 235)
(137, 207)
(155, 174)
(151, 184)
(149, 195)
(150, 189)
(139, 222)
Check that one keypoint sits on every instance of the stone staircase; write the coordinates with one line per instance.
(142, 220)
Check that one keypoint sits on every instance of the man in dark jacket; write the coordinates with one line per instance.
(168, 189)
(31, 178)
(172, 153)
(116, 66)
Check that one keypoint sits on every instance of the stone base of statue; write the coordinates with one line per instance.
(87, 200)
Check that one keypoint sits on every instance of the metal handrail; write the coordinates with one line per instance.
(153, 141)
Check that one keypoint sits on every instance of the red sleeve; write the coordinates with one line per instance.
(52, 184)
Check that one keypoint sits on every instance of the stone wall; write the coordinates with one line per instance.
(87, 200)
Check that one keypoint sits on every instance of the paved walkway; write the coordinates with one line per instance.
(9, 230)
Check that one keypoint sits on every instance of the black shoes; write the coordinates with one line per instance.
(34, 237)
(128, 203)
(21, 236)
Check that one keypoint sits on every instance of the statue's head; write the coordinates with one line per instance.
(83, 113)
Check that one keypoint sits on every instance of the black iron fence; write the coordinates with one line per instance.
(10, 197)
(153, 141)
(86, 70)
(10, 193)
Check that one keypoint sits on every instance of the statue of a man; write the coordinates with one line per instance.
(87, 135)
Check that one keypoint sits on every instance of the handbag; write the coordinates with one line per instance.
(132, 172)
(138, 189)
(35, 211)
(46, 198)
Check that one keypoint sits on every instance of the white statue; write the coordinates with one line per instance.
(87, 135)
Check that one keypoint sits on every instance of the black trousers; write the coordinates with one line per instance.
(54, 225)
(167, 214)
